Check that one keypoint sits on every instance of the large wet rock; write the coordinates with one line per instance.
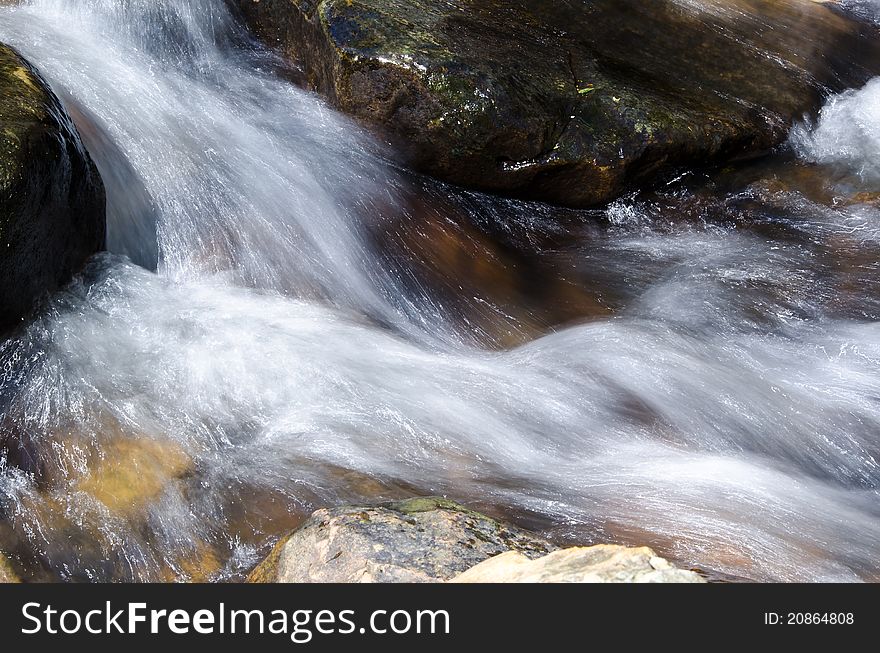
(52, 204)
(604, 563)
(570, 102)
(415, 541)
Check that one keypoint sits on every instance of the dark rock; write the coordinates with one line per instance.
(420, 540)
(569, 102)
(52, 203)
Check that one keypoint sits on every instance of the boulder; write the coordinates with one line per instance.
(52, 202)
(414, 541)
(569, 102)
(604, 563)
(7, 575)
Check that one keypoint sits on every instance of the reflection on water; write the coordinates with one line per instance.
(693, 368)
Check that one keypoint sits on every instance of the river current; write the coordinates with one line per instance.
(284, 322)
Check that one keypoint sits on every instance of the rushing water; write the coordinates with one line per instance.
(280, 325)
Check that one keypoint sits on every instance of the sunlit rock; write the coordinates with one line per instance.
(415, 541)
(431, 540)
(604, 563)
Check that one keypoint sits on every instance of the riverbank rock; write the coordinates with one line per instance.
(7, 575)
(415, 541)
(604, 563)
(52, 203)
(569, 102)
(432, 540)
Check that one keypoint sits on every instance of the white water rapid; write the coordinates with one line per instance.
(727, 413)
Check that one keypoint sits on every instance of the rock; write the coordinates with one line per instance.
(417, 541)
(569, 102)
(7, 575)
(432, 540)
(201, 565)
(129, 474)
(604, 563)
(52, 203)
(100, 490)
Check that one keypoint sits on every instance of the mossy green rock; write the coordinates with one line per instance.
(52, 203)
(422, 540)
(570, 102)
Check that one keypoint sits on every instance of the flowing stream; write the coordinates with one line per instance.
(279, 325)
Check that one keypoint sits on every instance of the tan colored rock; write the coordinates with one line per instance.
(604, 563)
(7, 575)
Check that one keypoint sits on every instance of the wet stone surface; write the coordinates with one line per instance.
(569, 102)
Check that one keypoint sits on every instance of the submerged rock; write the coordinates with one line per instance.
(7, 575)
(604, 563)
(99, 490)
(131, 474)
(52, 204)
(415, 541)
(568, 102)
